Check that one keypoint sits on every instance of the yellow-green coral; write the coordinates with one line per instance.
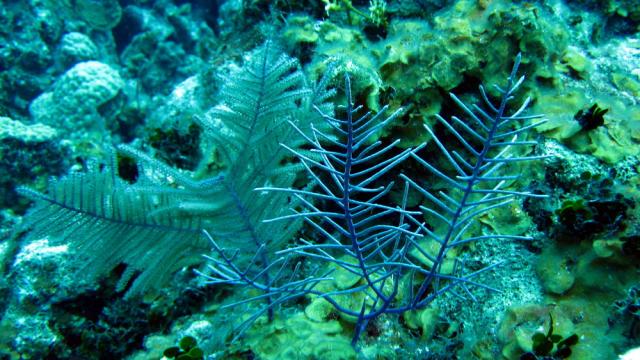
(297, 337)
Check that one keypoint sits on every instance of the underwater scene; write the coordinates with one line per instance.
(320, 179)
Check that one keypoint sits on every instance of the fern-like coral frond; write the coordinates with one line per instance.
(108, 223)
(258, 101)
(154, 225)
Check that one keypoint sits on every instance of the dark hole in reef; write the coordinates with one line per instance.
(127, 169)
(375, 32)
(100, 321)
(178, 149)
(304, 52)
(131, 23)
(468, 85)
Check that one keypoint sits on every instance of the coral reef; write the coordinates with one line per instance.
(82, 77)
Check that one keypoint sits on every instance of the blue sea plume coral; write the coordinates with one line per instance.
(388, 249)
(360, 236)
(476, 184)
